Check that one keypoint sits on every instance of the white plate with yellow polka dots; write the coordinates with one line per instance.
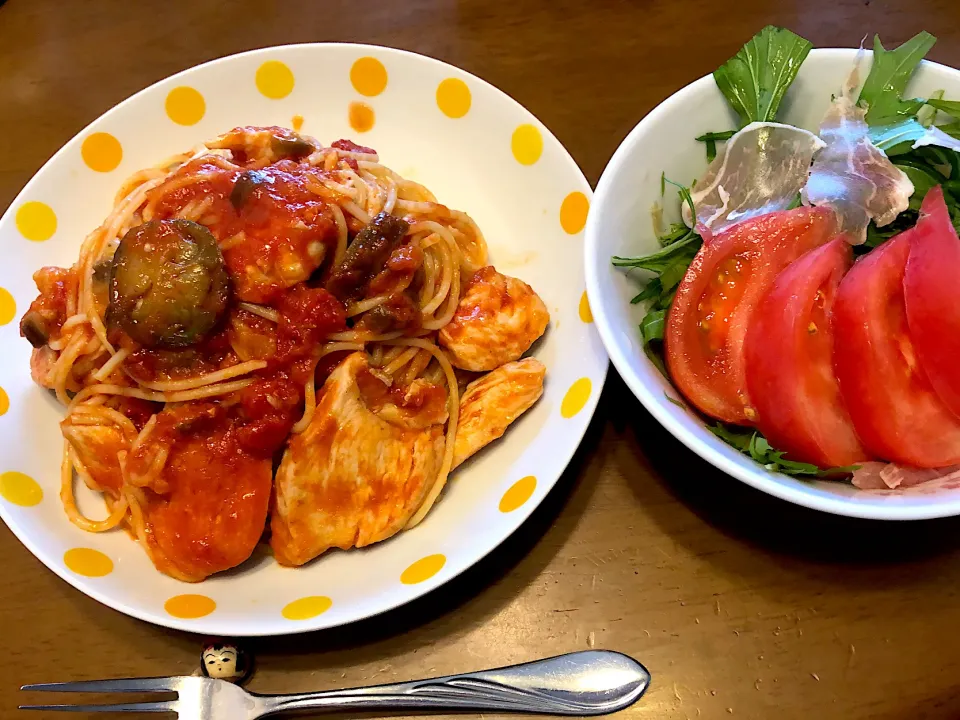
(478, 151)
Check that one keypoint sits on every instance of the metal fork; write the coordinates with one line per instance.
(592, 682)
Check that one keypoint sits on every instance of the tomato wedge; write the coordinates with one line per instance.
(789, 362)
(719, 294)
(894, 408)
(929, 291)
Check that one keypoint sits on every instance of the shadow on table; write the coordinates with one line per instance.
(738, 510)
(512, 565)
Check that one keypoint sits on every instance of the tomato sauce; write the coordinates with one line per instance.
(48, 312)
(272, 237)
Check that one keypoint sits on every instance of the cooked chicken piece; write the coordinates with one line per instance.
(493, 401)
(97, 448)
(362, 467)
(497, 320)
(42, 360)
(215, 511)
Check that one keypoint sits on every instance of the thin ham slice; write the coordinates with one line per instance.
(889, 476)
(851, 174)
(760, 170)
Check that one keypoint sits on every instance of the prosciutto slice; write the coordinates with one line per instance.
(851, 174)
(760, 170)
(889, 476)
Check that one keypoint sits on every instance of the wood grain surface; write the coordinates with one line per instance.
(740, 605)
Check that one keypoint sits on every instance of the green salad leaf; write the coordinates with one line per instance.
(753, 443)
(928, 113)
(755, 80)
(926, 167)
(711, 139)
(951, 107)
(883, 89)
(668, 264)
(651, 327)
(898, 137)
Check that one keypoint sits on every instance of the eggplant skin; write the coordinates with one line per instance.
(169, 286)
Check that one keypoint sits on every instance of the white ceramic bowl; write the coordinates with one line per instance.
(477, 150)
(620, 224)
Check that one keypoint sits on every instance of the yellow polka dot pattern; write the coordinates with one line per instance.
(189, 607)
(526, 144)
(361, 117)
(573, 212)
(19, 489)
(307, 607)
(586, 314)
(8, 307)
(88, 562)
(101, 152)
(274, 80)
(4, 402)
(368, 76)
(518, 494)
(36, 221)
(453, 98)
(576, 397)
(185, 105)
(423, 569)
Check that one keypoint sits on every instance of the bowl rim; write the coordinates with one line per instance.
(741, 468)
(520, 516)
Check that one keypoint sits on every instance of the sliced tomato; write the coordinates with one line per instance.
(894, 408)
(789, 362)
(930, 293)
(719, 294)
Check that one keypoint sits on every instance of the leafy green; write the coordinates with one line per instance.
(651, 327)
(897, 138)
(926, 167)
(755, 80)
(674, 401)
(711, 139)
(668, 264)
(951, 107)
(752, 443)
(883, 89)
(923, 181)
(928, 113)
(685, 247)
(685, 197)
(952, 129)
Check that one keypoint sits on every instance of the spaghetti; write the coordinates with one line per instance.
(327, 252)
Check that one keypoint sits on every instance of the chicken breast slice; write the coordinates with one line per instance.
(492, 402)
(362, 467)
(496, 322)
(97, 447)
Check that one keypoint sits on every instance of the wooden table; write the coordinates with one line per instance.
(738, 603)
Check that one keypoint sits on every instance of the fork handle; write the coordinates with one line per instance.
(591, 682)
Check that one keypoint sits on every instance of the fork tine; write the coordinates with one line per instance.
(120, 685)
(163, 706)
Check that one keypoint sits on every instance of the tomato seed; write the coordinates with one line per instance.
(811, 328)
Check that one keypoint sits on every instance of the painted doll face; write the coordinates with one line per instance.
(222, 662)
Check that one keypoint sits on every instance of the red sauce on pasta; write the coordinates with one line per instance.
(272, 238)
